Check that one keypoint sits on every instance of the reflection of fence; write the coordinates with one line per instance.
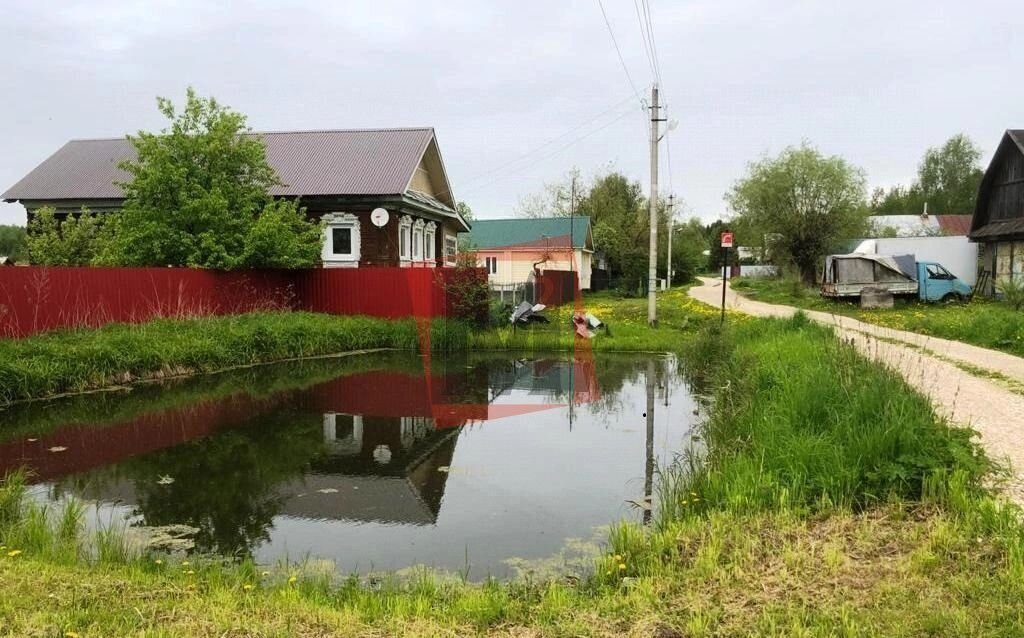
(36, 299)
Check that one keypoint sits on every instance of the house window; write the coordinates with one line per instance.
(492, 265)
(451, 247)
(428, 241)
(405, 238)
(341, 240)
(417, 240)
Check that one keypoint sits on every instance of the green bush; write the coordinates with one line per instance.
(1013, 293)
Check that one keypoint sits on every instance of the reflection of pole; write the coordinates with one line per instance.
(649, 466)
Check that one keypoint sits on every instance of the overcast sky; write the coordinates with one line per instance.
(876, 82)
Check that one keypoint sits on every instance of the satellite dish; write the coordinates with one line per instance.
(379, 217)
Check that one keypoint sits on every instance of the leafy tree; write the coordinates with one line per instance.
(620, 219)
(688, 245)
(282, 237)
(13, 243)
(811, 202)
(948, 178)
(554, 200)
(76, 240)
(464, 210)
(196, 192)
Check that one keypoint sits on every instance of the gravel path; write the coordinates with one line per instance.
(981, 388)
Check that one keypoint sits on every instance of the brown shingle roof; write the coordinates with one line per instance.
(330, 162)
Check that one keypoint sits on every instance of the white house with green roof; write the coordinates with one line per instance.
(511, 249)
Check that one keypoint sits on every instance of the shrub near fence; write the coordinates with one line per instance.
(37, 299)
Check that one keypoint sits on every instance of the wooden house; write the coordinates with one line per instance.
(998, 222)
(340, 176)
(511, 249)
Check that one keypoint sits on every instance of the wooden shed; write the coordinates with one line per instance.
(998, 222)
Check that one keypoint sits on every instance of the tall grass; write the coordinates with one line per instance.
(77, 360)
(803, 421)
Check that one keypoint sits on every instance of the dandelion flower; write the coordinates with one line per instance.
(13, 553)
(618, 557)
(292, 580)
(189, 573)
(247, 587)
(158, 562)
(264, 573)
(70, 634)
(185, 563)
(622, 566)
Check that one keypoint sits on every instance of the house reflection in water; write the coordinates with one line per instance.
(381, 469)
(364, 447)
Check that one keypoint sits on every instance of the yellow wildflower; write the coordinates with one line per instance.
(292, 580)
(622, 566)
(189, 573)
(13, 553)
(70, 634)
(185, 563)
(618, 557)
(247, 587)
(264, 573)
(158, 562)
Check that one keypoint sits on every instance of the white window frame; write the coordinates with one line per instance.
(334, 221)
(491, 263)
(450, 260)
(429, 242)
(405, 239)
(417, 240)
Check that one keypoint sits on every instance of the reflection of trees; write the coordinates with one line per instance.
(233, 511)
(224, 485)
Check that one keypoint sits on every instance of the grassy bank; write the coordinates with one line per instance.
(982, 322)
(78, 360)
(625, 330)
(830, 501)
(73, 361)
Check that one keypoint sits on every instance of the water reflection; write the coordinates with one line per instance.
(374, 461)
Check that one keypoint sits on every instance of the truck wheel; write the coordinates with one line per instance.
(952, 297)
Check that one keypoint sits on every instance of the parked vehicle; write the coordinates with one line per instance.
(848, 275)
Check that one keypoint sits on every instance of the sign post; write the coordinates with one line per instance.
(726, 245)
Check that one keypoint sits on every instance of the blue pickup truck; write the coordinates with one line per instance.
(848, 275)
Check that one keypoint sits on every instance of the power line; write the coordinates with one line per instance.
(650, 34)
(549, 142)
(551, 154)
(619, 51)
(643, 37)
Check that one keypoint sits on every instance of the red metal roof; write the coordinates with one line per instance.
(954, 224)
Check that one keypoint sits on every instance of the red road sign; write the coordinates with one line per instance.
(726, 240)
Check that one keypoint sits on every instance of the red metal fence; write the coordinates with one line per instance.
(37, 298)
(557, 287)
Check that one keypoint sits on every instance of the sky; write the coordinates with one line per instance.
(522, 91)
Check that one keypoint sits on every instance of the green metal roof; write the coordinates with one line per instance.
(554, 231)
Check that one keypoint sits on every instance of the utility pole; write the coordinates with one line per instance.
(652, 263)
(671, 224)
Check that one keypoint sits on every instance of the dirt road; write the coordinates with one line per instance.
(981, 388)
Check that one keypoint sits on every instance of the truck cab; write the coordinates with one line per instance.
(935, 283)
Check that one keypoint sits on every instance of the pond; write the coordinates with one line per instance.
(470, 464)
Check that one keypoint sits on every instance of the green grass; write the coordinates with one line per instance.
(982, 322)
(831, 501)
(79, 360)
